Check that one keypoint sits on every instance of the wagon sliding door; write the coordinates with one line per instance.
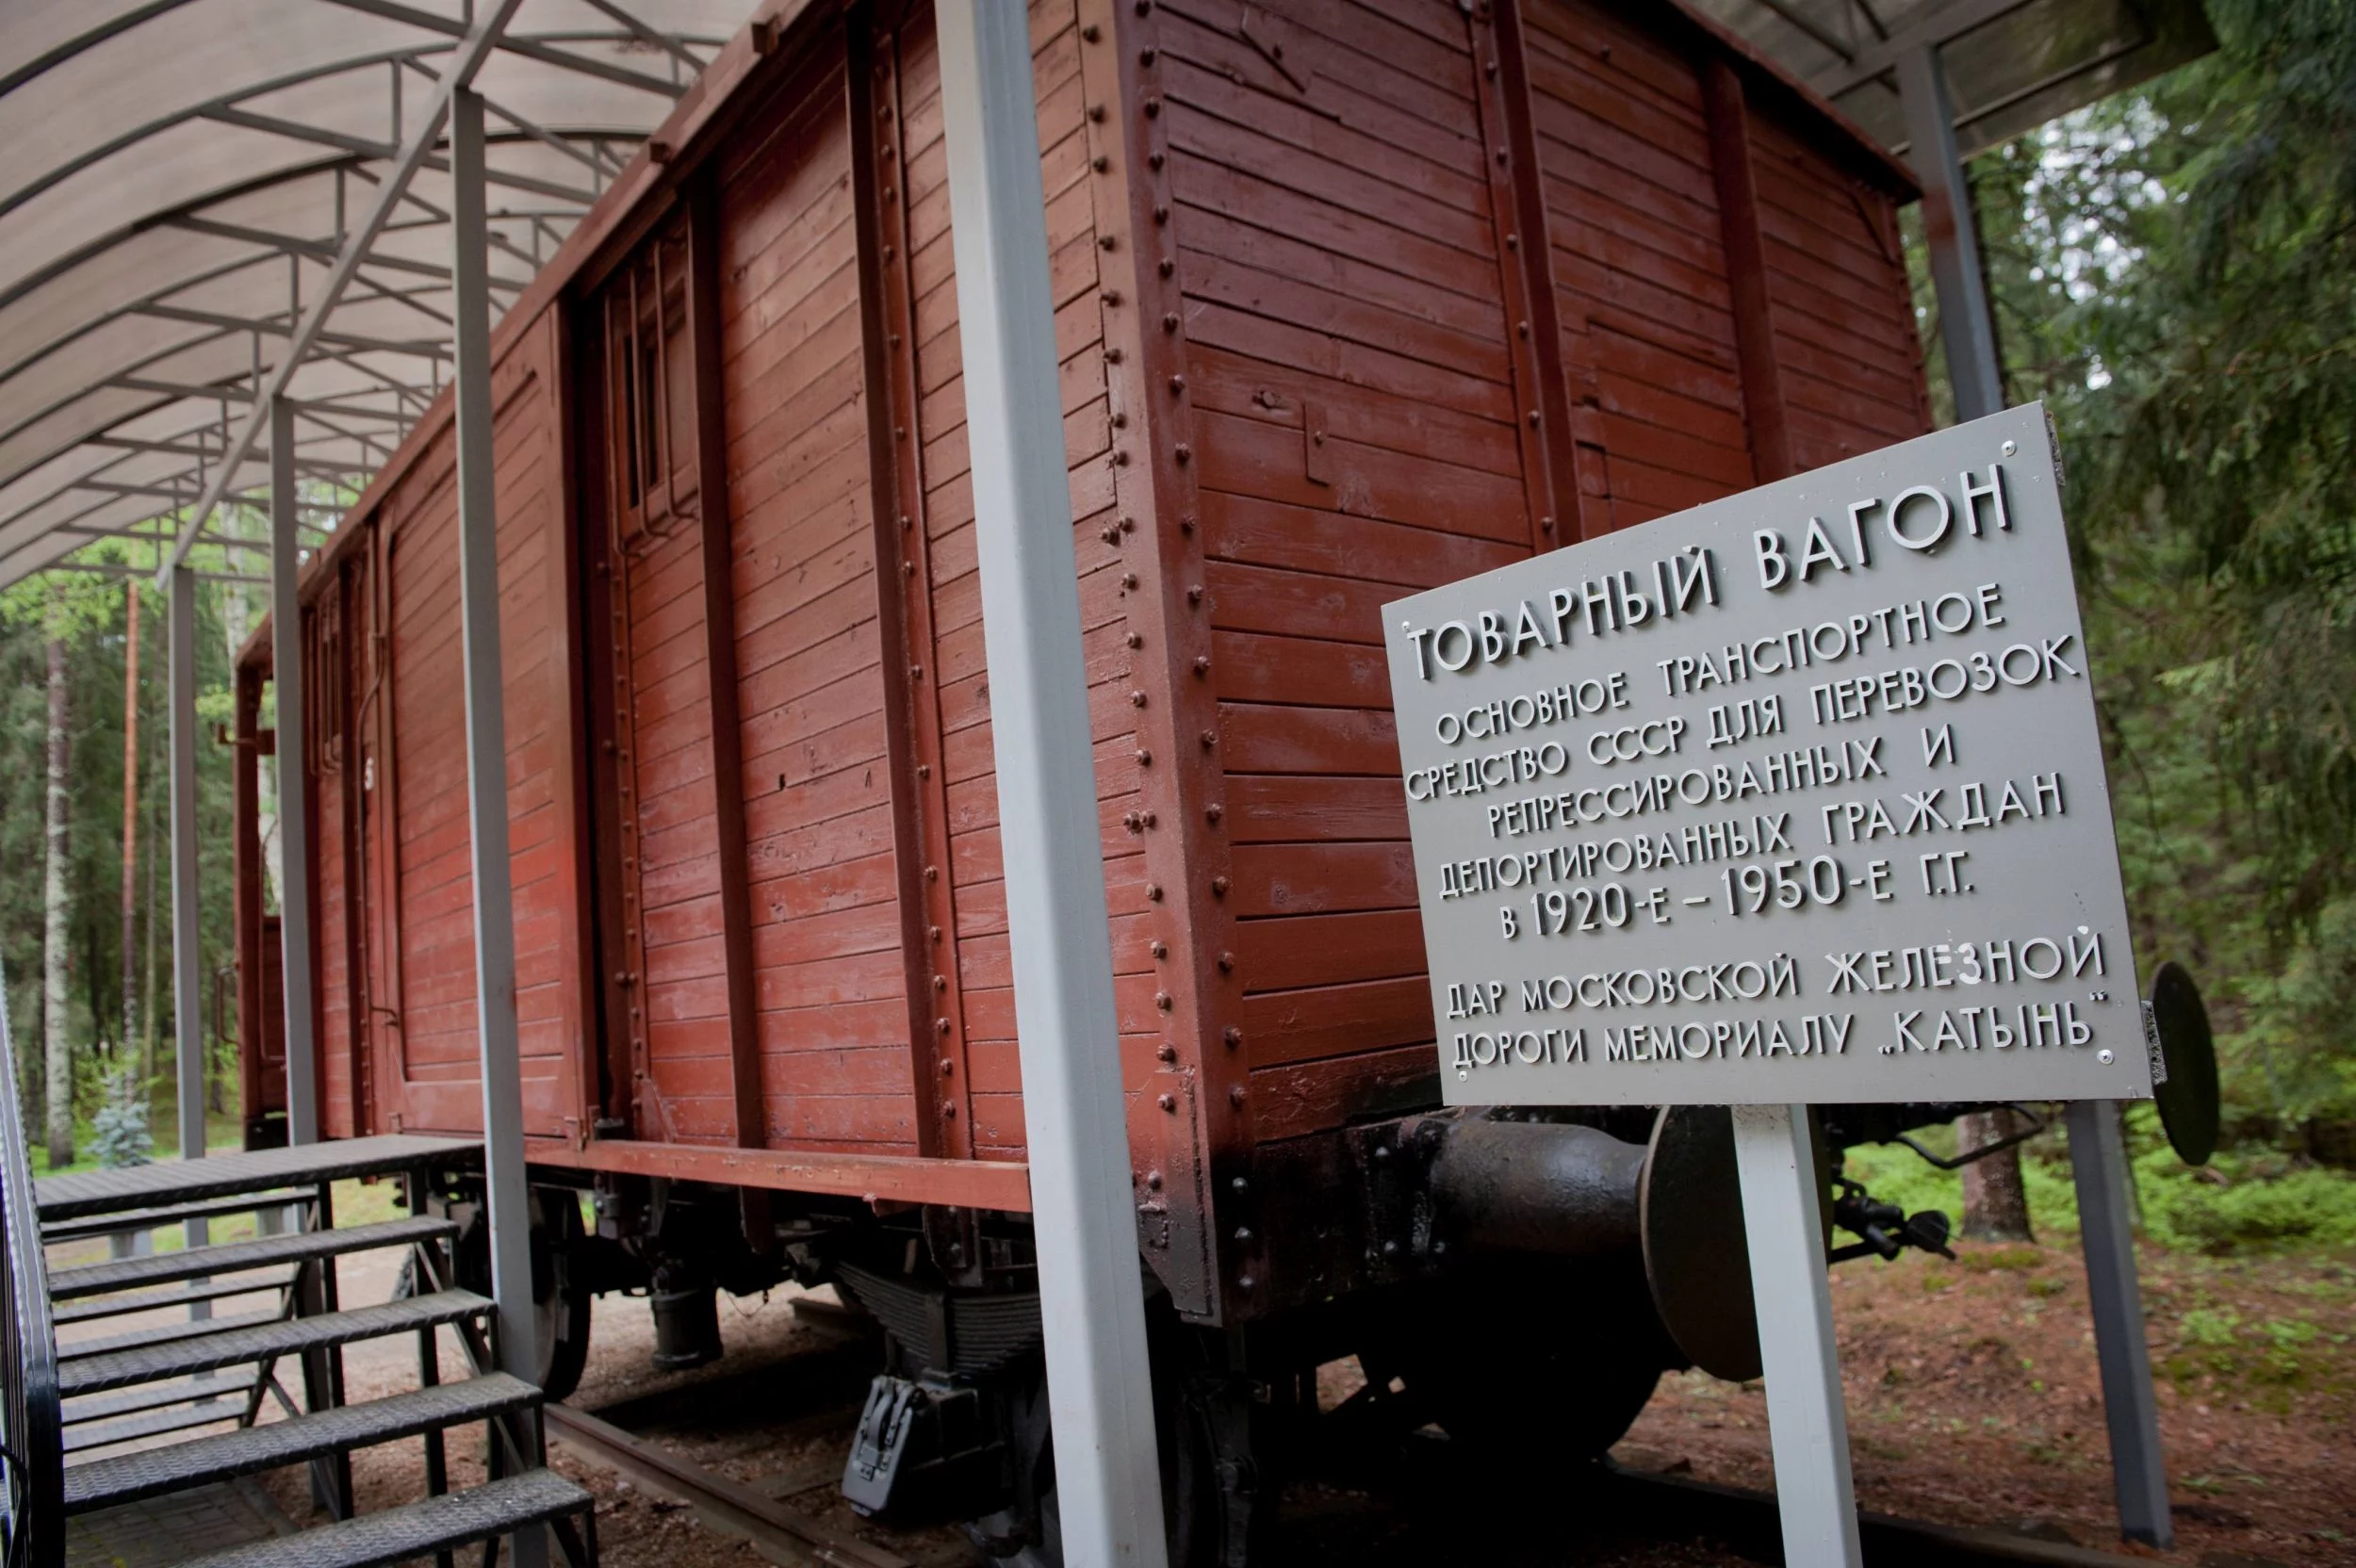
(750, 891)
(414, 889)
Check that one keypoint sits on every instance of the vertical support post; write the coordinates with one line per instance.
(1949, 228)
(294, 785)
(1091, 1302)
(1783, 1218)
(187, 1004)
(2097, 1160)
(509, 1196)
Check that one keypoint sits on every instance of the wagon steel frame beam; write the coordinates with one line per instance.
(465, 62)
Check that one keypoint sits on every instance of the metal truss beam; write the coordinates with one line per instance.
(294, 130)
(530, 49)
(465, 62)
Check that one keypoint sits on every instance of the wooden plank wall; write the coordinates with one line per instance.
(1351, 371)
(959, 687)
(336, 1067)
(1850, 359)
(1640, 267)
(830, 978)
(1353, 377)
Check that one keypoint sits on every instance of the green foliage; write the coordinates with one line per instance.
(87, 612)
(119, 1134)
(2243, 1201)
(2174, 270)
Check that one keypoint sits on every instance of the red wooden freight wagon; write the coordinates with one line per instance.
(1352, 298)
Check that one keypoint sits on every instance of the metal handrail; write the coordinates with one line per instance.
(32, 1443)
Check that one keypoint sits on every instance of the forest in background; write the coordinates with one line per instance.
(119, 1038)
(2174, 272)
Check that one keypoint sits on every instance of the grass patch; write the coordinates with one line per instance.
(2241, 1202)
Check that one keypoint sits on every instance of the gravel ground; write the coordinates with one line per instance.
(1973, 1395)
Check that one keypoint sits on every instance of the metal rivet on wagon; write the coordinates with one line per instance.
(1234, 1037)
(1234, 1094)
(1169, 1103)
(1153, 891)
(1219, 886)
(1145, 758)
(1164, 1001)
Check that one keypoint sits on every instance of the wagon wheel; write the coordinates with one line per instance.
(1582, 1383)
(1206, 1528)
(560, 1302)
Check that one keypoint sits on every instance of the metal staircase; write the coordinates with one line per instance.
(80, 1422)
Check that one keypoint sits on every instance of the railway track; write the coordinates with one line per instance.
(1605, 1503)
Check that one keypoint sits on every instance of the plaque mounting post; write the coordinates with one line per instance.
(2098, 1161)
(1784, 1221)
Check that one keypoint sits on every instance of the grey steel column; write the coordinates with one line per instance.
(509, 1195)
(187, 1002)
(1092, 1304)
(1964, 322)
(294, 786)
(2097, 1159)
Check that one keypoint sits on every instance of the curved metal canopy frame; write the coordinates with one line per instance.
(206, 202)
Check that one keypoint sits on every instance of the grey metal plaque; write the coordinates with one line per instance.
(1792, 797)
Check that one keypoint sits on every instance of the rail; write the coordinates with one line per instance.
(32, 1445)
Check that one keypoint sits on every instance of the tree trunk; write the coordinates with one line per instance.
(131, 820)
(57, 1045)
(1995, 1204)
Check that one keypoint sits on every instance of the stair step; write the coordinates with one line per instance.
(281, 1338)
(199, 1263)
(129, 1477)
(81, 1194)
(178, 1214)
(93, 1309)
(155, 1423)
(162, 1333)
(101, 1406)
(419, 1529)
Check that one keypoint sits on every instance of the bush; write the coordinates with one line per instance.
(119, 1134)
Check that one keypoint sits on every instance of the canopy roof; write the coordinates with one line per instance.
(185, 178)
(180, 178)
(2011, 64)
